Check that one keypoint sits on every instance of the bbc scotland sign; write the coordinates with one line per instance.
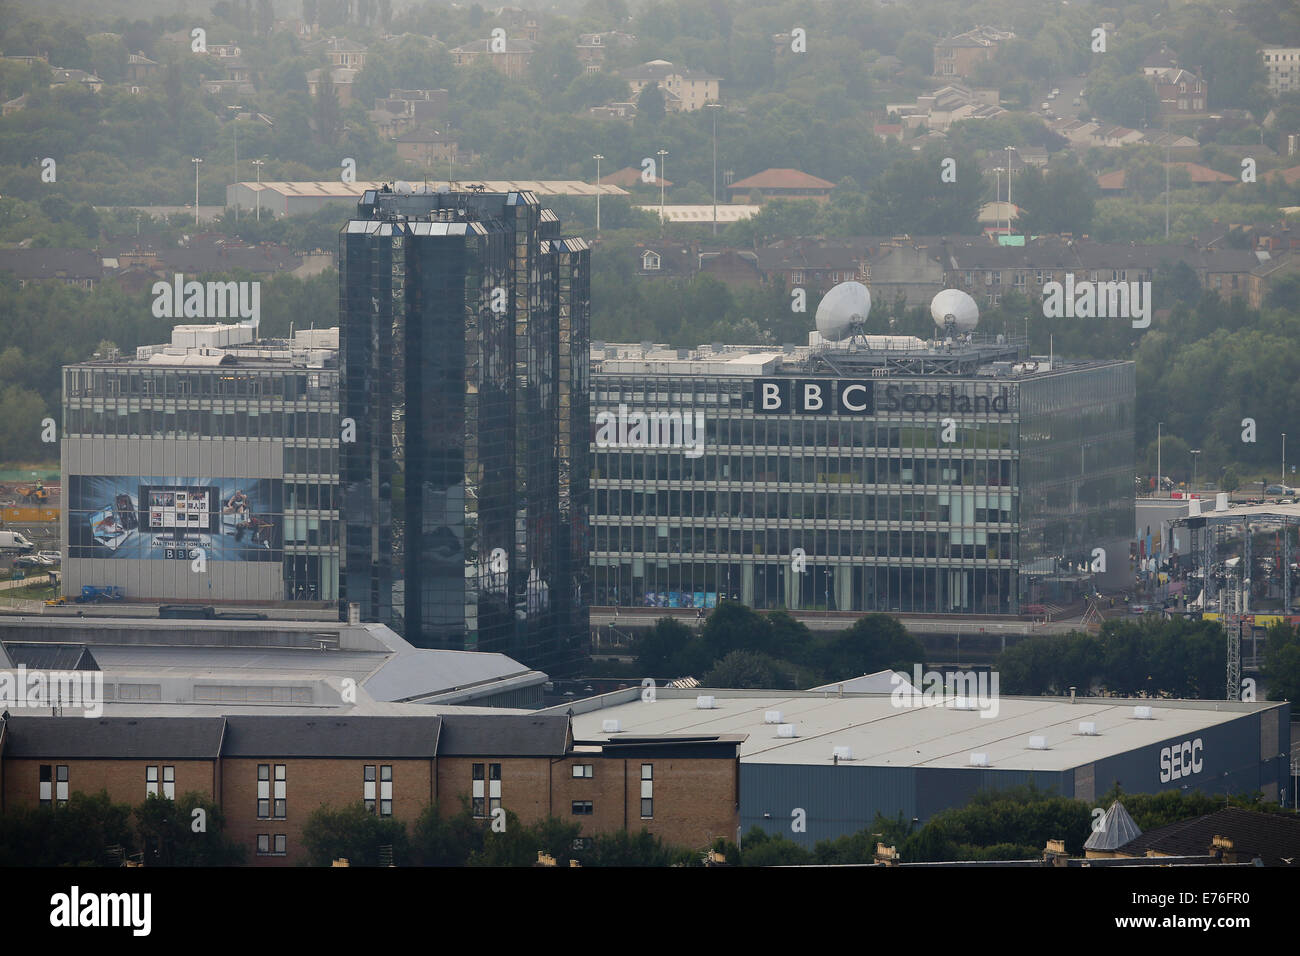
(784, 396)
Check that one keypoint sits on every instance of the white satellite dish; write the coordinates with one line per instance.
(402, 187)
(843, 311)
(954, 311)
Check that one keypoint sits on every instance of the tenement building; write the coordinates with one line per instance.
(883, 473)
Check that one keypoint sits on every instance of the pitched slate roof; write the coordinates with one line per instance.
(781, 179)
(331, 736)
(1273, 837)
(507, 735)
(114, 738)
(51, 263)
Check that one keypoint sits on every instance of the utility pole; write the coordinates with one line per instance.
(259, 164)
(197, 162)
(235, 124)
(1159, 474)
(714, 107)
(660, 173)
(598, 157)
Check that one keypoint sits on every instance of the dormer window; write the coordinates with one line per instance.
(649, 261)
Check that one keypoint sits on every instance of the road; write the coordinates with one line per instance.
(839, 620)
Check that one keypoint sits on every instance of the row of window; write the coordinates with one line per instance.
(818, 469)
(964, 507)
(585, 808)
(212, 422)
(286, 386)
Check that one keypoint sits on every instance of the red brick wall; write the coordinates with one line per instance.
(310, 784)
(123, 779)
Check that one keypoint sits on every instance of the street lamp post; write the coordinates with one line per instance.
(714, 107)
(235, 124)
(997, 199)
(598, 157)
(1009, 148)
(1159, 474)
(1284, 459)
(258, 164)
(197, 163)
(1195, 452)
(660, 172)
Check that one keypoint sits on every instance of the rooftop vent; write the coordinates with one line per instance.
(1087, 728)
(1142, 713)
(979, 760)
(785, 730)
(611, 726)
(1038, 743)
(705, 702)
(772, 717)
(842, 753)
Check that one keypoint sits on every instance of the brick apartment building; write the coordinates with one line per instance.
(268, 773)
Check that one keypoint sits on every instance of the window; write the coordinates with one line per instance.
(272, 844)
(368, 787)
(582, 808)
(582, 770)
(649, 261)
(267, 798)
(647, 791)
(150, 781)
(478, 796)
(494, 786)
(386, 790)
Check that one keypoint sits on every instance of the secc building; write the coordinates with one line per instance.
(860, 472)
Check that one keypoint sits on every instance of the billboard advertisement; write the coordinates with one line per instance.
(171, 518)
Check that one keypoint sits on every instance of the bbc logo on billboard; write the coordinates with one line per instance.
(822, 396)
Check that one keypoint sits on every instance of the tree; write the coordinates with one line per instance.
(77, 833)
(874, 643)
(1282, 662)
(763, 849)
(168, 837)
(732, 627)
(446, 841)
(748, 669)
(650, 107)
(353, 833)
(659, 649)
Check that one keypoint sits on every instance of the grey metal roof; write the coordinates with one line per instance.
(114, 738)
(331, 736)
(50, 657)
(1116, 829)
(504, 736)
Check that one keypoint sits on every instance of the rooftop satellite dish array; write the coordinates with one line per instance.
(842, 313)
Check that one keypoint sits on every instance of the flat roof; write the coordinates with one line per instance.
(335, 189)
(884, 735)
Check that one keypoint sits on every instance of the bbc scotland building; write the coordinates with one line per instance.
(464, 355)
(886, 473)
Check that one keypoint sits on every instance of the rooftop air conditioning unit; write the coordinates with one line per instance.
(1087, 728)
(1038, 743)
(611, 726)
(1143, 713)
(785, 730)
(842, 753)
(979, 760)
(772, 717)
(705, 703)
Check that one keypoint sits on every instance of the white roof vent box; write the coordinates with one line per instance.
(979, 760)
(1143, 712)
(840, 754)
(772, 717)
(611, 726)
(706, 702)
(1038, 743)
(1087, 728)
(785, 730)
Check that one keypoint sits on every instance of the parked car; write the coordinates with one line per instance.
(54, 557)
(1045, 106)
(32, 561)
(1279, 490)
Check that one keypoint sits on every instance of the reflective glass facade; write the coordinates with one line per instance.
(463, 339)
(892, 511)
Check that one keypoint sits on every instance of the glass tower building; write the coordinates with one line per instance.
(908, 477)
(464, 323)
